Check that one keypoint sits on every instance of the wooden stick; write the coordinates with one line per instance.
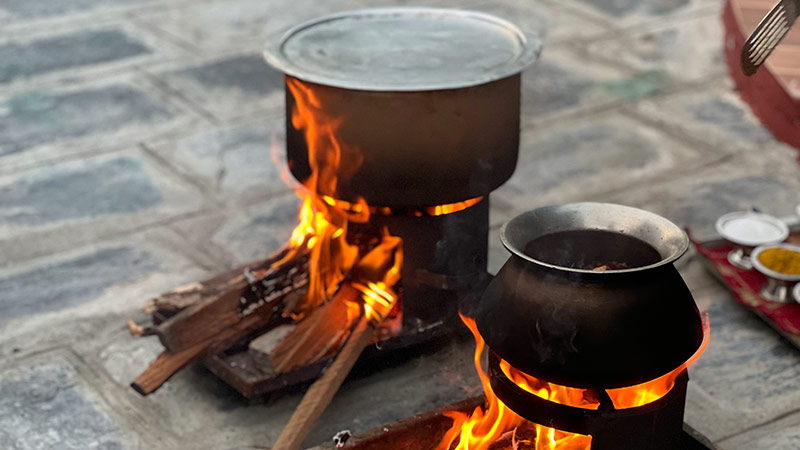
(320, 394)
(168, 363)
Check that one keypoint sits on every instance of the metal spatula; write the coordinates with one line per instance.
(768, 34)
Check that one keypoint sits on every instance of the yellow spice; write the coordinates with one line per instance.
(781, 260)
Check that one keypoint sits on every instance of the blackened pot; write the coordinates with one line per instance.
(590, 297)
(426, 101)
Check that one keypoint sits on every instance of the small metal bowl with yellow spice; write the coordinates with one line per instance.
(781, 265)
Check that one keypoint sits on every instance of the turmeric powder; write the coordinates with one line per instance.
(781, 260)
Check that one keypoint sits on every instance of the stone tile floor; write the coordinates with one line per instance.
(135, 155)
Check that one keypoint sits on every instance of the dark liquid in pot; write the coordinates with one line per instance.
(592, 250)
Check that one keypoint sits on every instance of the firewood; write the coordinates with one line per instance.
(320, 394)
(220, 304)
(319, 334)
(168, 363)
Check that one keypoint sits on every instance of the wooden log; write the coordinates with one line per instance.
(320, 334)
(220, 305)
(168, 363)
(320, 394)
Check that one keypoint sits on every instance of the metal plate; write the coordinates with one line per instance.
(403, 49)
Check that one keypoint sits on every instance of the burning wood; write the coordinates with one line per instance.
(319, 279)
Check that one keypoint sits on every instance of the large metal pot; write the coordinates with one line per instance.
(549, 314)
(429, 100)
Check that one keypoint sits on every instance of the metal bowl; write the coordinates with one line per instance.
(778, 286)
(766, 229)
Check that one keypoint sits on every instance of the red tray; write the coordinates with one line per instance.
(746, 284)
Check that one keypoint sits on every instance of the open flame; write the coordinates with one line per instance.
(482, 428)
(486, 425)
(322, 230)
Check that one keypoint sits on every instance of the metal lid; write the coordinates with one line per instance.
(403, 49)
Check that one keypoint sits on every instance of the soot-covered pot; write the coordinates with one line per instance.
(590, 297)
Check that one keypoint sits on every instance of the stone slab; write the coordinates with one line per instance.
(20, 11)
(765, 179)
(783, 434)
(103, 278)
(580, 160)
(44, 405)
(623, 14)
(748, 371)
(240, 24)
(564, 82)
(242, 235)
(716, 116)
(553, 23)
(87, 199)
(205, 412)
(227, 87)
(686, 50)
(65, 52)
(73, 52)
(49, 124)
(245, 160)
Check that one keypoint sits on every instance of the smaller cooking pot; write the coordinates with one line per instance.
(590, 297)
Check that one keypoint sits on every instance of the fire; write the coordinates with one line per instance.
(580, 398)
(482, 428)
(322, 230)
(642, 394)
(321, 233)
(486, 425)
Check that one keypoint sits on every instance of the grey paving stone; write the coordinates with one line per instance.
(581, 160)
(766, 179)
(205, 413)
(42, 117)
(550, 21)
(68, 284)
(95, 279)
(232, 86)
(42, 406)
(112, 187)
(747, 367)
(44, 8)
(563, 82)
(717, 116)
(84, 200)
(685, 50)
(240, 24)
(624, 13)
(783, 434)
(244, 235)
(238, 160)
(65, 52)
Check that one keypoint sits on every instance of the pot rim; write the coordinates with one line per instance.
(605, 217)
(530, 48)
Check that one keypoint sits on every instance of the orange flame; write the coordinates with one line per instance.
(377, 272)
(322, 230)
(579, 398)
(642, 394)
(484, 426)
(479, 430)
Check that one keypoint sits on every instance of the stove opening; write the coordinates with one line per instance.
(598, 250)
